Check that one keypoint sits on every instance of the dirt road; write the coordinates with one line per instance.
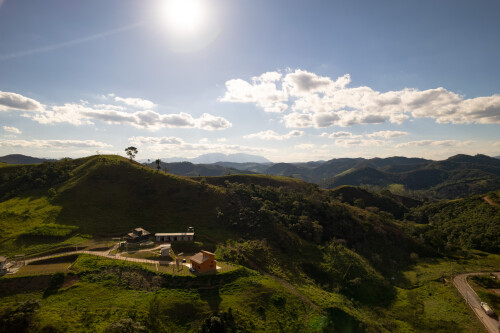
(460, 281)
(488, 200)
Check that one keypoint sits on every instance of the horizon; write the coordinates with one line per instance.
(312, 81)
(142, 160)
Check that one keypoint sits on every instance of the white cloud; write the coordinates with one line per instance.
(359, 142)
(82, 114)
(210, 122)
(262, 91)
(13, 101)
(141, 140)
(272, 135)
(444, 143)
(52, 144)
(135, 102)
(341, 134)
(11, 129)
(298, 120)
(387, 134)
(318, 101)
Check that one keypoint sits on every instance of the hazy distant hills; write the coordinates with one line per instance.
(22, 159)
(192, 170)
(218, 157)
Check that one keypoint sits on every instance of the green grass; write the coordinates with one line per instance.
(93, 305)
(43, 269)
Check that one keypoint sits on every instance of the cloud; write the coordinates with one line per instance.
(318, 101)
(359, 142)
(210, 122)
(11, 130)
(272, 135)
(13, 101)
(136, 102)
(298, 120)
(341, 134)
(262, 91)
(387, 134)
(444, 143)
(83, 114)
(52, 144)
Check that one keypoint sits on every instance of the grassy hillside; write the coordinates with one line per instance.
(321, 261)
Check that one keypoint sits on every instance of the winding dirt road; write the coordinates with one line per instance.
(460, 281)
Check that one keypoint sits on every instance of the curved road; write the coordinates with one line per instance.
(460, 281)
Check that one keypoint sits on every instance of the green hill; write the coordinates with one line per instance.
(397, 205)
(323, 262)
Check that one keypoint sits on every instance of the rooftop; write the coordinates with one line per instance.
(174, 234)
(201, 257)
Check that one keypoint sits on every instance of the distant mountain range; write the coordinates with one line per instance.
(217, 157)
(459, 175)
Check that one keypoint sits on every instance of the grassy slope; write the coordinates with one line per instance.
(109, 195)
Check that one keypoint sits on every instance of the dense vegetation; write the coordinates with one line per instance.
(316, 260)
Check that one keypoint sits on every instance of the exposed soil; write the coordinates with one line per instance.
(491, 202)
(69, 280)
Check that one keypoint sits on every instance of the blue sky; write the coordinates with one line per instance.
(288, 80)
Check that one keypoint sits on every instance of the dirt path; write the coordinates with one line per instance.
(491, 202)
(470, 296)
(100, 254)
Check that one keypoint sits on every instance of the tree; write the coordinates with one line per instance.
(158, 164)
(131, 152)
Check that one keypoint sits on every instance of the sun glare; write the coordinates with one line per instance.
(185, 16)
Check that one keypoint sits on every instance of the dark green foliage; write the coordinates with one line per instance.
(18, 180)
(486, 281)
(340, 321)
(18, 319)
(220, 323)
(385, 201)
(352, 275)
(469, 223)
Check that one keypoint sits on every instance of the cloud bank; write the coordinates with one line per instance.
(316, 101)
(84, 114)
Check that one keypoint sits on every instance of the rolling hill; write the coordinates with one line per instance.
(328, 263)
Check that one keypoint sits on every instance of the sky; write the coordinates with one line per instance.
(288, 80)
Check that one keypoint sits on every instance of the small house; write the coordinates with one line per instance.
(175, 237)
(203, 261)
(165, 250)
(137, 235)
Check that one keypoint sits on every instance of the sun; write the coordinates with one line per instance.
(184, 16)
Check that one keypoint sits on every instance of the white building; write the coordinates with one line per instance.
(165, 250)
(175, 237)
